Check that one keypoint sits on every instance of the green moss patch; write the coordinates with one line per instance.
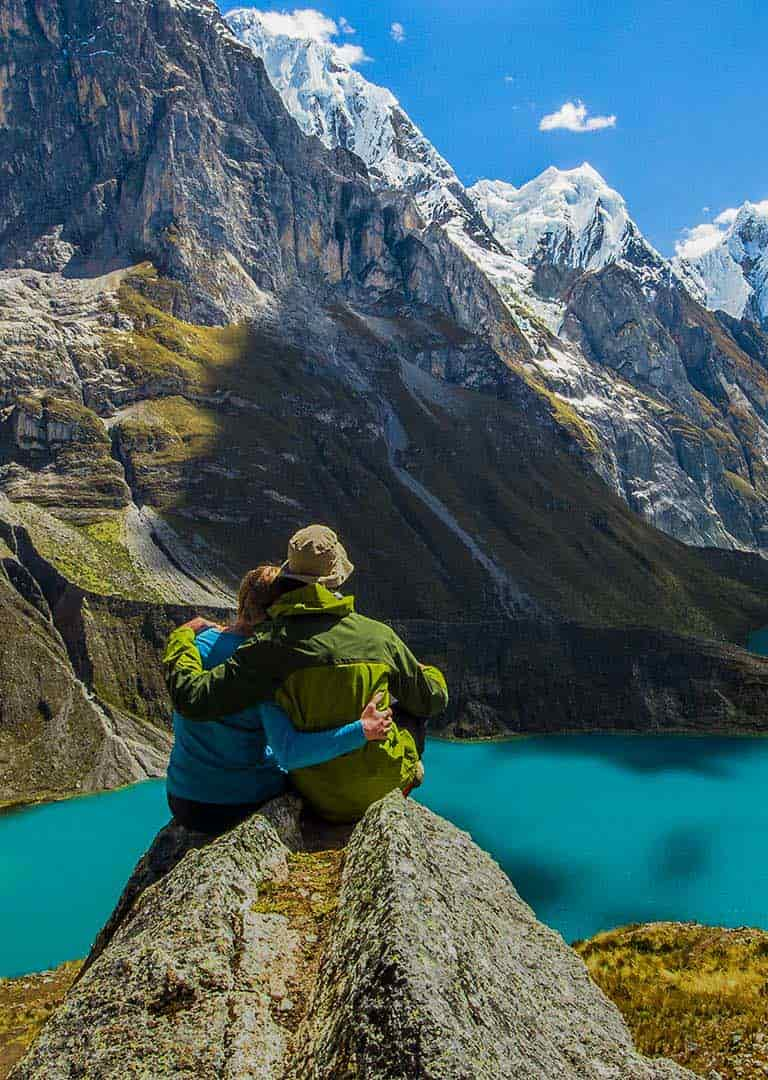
(566, 416)
(92, 556)
(163, 346)
(308, 899)
(741, 486)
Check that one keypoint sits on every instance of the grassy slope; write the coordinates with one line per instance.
(694, 993)
(25, 1005)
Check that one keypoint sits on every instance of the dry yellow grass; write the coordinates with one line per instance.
(25, 1005)
(693, 993)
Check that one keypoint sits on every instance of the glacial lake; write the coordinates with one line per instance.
(595, 831)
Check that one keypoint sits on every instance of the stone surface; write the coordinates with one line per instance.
(58, 454)
(437, 969)
(168, 849)
(185, 986)
(432, 967)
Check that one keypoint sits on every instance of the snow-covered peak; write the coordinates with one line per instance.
(725, 263)
(329, 98)
(570, 215)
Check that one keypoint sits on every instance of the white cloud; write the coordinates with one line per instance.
(573, 116)
(397, 32)
(301, 23)
(727, 217)
(313, 24)
(703, 238)
(352, 54)
(698, 241)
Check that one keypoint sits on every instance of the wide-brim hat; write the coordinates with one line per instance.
(316, 556)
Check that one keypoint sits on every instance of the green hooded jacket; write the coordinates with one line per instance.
(322, 662)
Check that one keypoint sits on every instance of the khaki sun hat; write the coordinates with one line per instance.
(317, 557)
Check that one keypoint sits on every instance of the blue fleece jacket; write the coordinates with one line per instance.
(244, 758)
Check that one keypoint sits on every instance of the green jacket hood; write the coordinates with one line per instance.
(312, 600)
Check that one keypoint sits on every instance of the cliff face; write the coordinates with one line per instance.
(56, 738)
(150, 132)
(416, 959)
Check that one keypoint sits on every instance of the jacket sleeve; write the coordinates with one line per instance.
(197, 694)
(299, 749)
(420, 690)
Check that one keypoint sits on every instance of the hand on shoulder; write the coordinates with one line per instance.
(198, 624)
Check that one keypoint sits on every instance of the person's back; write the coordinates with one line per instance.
(226, 760)
(338, 658)
(224, 769)
(318, 658)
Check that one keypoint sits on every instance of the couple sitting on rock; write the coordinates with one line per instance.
(266, 696)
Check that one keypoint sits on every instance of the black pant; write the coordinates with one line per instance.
(211, 818)
(417, 725)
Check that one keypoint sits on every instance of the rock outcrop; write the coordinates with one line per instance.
(247, 960)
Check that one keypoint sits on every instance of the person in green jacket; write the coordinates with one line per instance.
(319, 660)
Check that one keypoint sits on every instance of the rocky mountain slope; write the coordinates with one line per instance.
(676, 400)
(58, 737)
(407, 955)
(725, 265)
(214, 328)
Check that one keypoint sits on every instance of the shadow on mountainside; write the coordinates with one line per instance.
(460, 508)
(272, 426)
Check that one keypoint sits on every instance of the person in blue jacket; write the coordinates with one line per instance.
(223, 770)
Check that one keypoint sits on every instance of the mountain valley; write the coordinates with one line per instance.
(216, 327)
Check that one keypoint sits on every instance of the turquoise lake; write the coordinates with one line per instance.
(594, 830)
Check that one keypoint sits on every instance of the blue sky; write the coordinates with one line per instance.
(685, 81)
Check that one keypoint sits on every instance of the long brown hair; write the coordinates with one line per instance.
(257, 592)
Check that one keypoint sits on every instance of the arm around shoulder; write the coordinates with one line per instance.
(206, 695)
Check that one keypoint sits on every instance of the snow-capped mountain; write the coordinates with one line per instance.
(331, 100)
(725, 264)
(614, 338)
(571, 217)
